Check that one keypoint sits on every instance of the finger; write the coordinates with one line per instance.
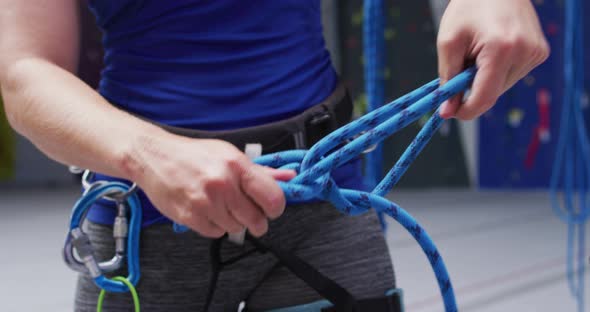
(248, 214)
(263, 190)
(452, 50)
(450, 107)
(219, 213)
(279, 174)
(493, 67)
(204, 226)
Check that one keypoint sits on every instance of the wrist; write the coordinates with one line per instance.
(144, 148)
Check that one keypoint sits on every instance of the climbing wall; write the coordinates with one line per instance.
(518, 137)
(410, 62)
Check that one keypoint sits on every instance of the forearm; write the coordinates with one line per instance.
(72, 123)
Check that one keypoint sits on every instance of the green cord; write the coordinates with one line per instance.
(131, 289)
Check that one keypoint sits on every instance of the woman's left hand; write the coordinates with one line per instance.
(503, 38)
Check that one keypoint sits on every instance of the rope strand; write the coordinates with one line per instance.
(570, 179)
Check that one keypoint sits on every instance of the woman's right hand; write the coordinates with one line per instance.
(208, 185)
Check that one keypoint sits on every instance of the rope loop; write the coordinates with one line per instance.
(313, 181)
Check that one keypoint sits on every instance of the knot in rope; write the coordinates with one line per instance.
(313, 181)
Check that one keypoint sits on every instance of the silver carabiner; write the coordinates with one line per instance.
(77, 241)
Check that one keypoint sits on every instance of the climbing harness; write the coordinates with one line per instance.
(313, 182)
(570, 180)
(298, 132)
(339, 299)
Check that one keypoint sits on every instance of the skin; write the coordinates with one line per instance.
(209, 185)
(505, 40)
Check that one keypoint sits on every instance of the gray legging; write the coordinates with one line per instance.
(175, 267)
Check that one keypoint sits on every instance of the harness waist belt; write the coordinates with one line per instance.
(298, 132)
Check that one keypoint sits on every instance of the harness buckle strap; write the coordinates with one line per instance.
(253, 151)
(318, 125)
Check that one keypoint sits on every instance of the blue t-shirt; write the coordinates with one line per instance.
(214, 65)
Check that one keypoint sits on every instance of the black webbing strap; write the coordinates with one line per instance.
(342, 300)
(216, 266)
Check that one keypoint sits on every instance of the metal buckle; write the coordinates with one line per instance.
(319, 118)
(318, 126)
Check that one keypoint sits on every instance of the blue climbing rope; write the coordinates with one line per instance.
(373, 51)
(570, 180)
(313, 180)
(314, 166)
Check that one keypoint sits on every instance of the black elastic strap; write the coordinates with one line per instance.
(216, 266)
(342, 300)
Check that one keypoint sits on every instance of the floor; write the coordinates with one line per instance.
(504, 251)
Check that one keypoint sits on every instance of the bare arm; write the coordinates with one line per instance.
(46, 103)
(207, 185)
